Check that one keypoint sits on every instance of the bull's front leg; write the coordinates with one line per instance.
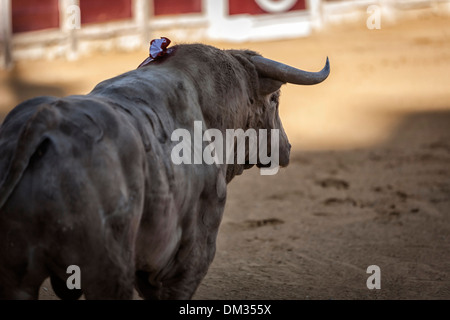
(182, 277)
(189, 265)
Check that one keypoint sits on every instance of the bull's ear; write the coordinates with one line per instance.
(268, 85)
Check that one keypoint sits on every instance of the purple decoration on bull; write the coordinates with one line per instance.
(158, 49)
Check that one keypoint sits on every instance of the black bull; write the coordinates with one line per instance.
(88, 180)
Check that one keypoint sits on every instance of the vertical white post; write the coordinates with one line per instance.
(70, 22)
(142, 11)
(6, 34)
(315, 11)
(216, 13)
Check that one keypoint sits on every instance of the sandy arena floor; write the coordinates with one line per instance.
(369, 179)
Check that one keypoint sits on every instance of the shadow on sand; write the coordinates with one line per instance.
(337, 213)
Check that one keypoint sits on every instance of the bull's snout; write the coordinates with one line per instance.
(280, 158)
(284, 155)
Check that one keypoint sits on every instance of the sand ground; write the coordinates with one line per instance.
(369, 179)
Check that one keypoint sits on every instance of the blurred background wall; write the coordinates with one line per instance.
(36, 29)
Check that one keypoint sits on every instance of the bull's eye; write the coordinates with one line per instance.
(274, 100)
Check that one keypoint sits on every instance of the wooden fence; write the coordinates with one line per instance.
(32, 29)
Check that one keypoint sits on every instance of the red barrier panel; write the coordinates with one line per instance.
(97, 11)
(31, 15)
(171, 7)
(252, 7)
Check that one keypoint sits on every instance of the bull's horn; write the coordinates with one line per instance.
(282, 72)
